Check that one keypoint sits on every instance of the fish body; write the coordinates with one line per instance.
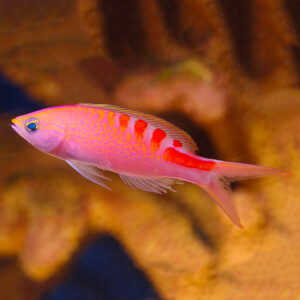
(147, 152)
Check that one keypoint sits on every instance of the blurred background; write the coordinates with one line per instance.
(227, 72)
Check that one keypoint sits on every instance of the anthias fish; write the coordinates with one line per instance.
(147, 152)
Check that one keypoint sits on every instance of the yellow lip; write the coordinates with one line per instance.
(14, 123)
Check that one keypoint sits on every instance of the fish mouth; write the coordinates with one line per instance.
(14, 125)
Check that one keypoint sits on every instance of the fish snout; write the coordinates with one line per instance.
(14, 124)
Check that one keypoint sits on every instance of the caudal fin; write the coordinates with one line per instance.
(217, 183)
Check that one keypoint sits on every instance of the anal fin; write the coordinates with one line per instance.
(155, 185)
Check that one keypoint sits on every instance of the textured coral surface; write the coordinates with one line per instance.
(227, 72)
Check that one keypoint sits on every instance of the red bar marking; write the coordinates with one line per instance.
(157, 136)
(110, 116)
(183, 159)
(177, 144)
(101, 114)
(124, 119)
(139, 128)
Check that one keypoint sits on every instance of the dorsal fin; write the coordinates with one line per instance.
(170, 129)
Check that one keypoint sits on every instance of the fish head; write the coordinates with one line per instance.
(44, 129)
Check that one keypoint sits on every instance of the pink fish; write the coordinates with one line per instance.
(147, 152)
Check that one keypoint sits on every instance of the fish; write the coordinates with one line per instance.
(147, 152)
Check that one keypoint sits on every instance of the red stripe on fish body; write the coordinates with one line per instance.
(123, 121)
(177, 144)
(157, 137)
(139, 128)
(183, 159)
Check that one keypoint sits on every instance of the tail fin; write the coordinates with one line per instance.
(217, 184)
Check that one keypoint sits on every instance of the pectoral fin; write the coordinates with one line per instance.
(88, 171)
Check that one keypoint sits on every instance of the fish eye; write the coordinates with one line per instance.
(32, 124)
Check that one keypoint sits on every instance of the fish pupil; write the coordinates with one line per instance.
(31, 126)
